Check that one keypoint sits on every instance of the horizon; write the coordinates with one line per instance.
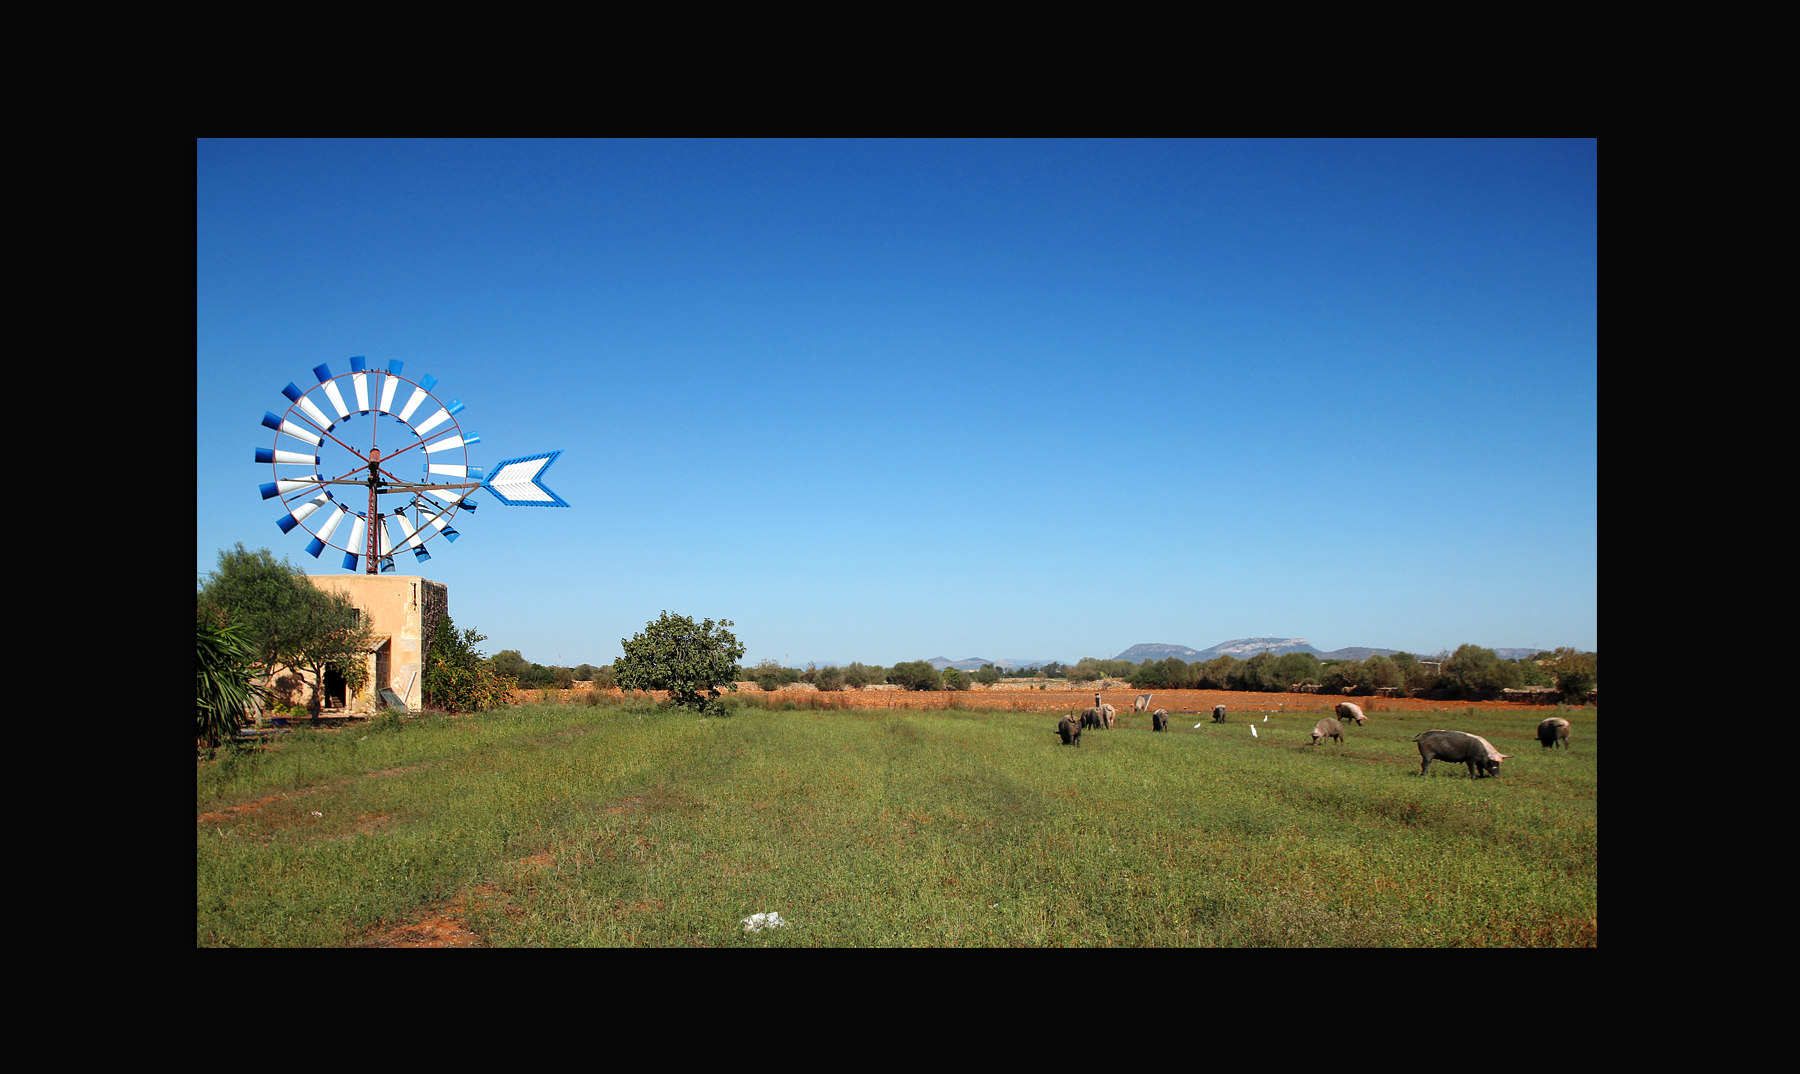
(878, 399)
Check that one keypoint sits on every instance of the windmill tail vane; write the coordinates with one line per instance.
(423, 473)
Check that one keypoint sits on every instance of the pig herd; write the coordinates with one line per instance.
(1477, 753)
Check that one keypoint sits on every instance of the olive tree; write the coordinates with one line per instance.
(683, 657)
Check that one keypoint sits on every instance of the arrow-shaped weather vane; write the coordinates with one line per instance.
(335, 446)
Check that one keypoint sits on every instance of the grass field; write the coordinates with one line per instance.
(633, 825)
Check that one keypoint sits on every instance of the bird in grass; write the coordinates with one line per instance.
(1253, 733)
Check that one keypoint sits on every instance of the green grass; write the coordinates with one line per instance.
(629, 825)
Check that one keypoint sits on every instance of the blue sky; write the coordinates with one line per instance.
(883, 401)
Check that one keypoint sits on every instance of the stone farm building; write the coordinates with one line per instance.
(403, 611)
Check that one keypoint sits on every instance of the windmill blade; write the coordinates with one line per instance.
(317, 544)
(520, 482)
(293, 392)
(323, 372)
(419, 395)
(356, 541)
(288, 428)
(443, 415)
(412, 538)
(438, 521)
(272, 489)
(288, 521)
(286, 458)
(450, 442)
(457, 470)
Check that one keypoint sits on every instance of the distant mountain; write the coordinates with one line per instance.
(1245, 648)
(1356, 652)
(1151, 650)
(973, 663)
(1517, 654)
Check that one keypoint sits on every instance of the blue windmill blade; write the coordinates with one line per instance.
(520, 482)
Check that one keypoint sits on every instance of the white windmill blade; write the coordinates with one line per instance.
(412, 538)
(450, 442)
(443, 415)
(272, 489)
(438, 521)
(323, 534)
(287, 458)
(389, 386)
(288, 521)
(293, 392)
(323, 372)
(520, 482)
(288, 428)
(356, 541)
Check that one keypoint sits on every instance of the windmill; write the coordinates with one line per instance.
(416, 485)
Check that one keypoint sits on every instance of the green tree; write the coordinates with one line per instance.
(954, 679)
(332, 635)
(1577, 673)
(988, 674)
(1477, 672)
(858, 674)
(916, 675)
(510, 663)
(457, 677)
(676, 654)
(265, 601)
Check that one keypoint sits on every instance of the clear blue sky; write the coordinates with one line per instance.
(884, 401)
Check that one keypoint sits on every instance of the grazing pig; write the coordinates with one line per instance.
(1159, 720)
(1473, 750)
(1091, 717)
(1069, 730)
(1218, 713)
(1329, 727)
(1142, 704)
(1552, 731)
(1110, 716)
(1348, 711)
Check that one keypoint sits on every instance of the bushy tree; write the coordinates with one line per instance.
(954, 679)
(265, 600)
(916, 675)
(333, 635)
(457, 677)
(1476, 672)
(829, 678)
(1577, 673)
(859, 675)
(511, 664)
(988, 674)
(676, 654)
(284, 619)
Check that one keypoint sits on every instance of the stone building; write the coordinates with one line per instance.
(403, 611)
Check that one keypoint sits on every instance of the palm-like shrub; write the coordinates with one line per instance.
(223, 663)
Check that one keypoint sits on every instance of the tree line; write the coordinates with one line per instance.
(1470, 673)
